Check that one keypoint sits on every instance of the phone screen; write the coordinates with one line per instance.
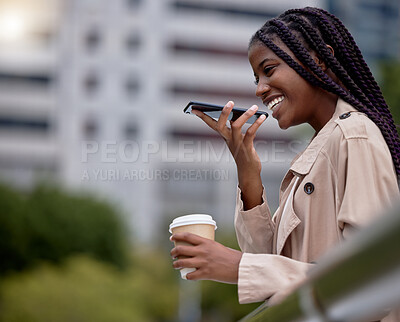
(214, 111)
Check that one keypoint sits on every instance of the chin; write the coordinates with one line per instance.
(283, 126)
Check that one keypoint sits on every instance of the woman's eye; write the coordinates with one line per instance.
(268, 70)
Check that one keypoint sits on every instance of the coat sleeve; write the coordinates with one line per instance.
(367, 183)
(254, 227)
(277, 276)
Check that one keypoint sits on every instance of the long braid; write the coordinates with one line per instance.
(350, 54)
(376, 91)
(318, 28)
(352, 59)
(304, 56)
(350, 62)
(340, 71)
(316, 42)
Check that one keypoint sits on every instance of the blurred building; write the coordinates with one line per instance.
(28, 101)
(375, 26)
(96, 103)
(129, 67)
(92, 92)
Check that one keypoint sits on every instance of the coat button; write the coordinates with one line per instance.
(344, 115)
(309, 188)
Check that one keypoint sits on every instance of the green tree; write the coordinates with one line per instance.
(84, 289)
(390, 84)
(61, 255)
(13, 241)
(50, 224)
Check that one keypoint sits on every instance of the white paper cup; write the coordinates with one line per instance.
(199, 224)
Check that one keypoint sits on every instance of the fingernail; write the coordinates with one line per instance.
(263, 117)
(170, 237)
(254, 108)
(229, 104)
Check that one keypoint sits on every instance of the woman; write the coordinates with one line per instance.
(307, 69)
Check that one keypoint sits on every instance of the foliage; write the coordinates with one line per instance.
(49, 224)
(83, 289)
(13, 241)
(390, 84)
(62, 253)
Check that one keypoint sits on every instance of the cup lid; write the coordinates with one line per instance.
(192, 220)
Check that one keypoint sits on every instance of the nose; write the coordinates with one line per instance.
(262, 88)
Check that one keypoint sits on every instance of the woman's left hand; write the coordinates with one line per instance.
(212, 260)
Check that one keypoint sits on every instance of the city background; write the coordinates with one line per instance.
(91, 100)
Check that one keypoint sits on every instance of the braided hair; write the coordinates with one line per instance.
(302, 30)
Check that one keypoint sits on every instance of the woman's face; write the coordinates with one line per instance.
(292, 100)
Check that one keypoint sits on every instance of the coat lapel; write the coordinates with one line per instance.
(287, 218)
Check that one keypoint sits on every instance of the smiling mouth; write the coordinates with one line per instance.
(271, 105)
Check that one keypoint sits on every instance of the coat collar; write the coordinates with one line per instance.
(304, 161)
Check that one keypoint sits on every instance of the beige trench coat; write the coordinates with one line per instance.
(340, 182)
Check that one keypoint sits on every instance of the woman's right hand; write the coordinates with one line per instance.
(241, 146)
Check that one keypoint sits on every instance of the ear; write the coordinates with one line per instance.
(331, 49)
(319, 61)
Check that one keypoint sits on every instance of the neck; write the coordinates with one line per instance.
(328, 102)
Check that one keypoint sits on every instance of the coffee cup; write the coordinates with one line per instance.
(199, 224)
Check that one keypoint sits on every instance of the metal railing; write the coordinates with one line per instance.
(357, 280)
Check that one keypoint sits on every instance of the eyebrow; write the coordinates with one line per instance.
(265, 60)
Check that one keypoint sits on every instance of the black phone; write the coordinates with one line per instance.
(214, 111)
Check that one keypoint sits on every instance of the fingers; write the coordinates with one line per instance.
(186, 256)
(238, 124)
(191, 262)
(206, 119)
(252, 130)
(194, 276)
(182, 251)
(190, 257)
(185, 244)
(220, 125)
(188, 238)
(212, 261)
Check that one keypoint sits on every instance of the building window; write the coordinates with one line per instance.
(181, 47)
(15, 123)
(91, 84)
(90, 129)
(29, 80)
(130, 131)
(132, 43)
(132, 86)
(214, 7)
(92, 40)
(133, 4)
(225, 94)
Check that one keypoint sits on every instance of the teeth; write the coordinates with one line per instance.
(274, 102)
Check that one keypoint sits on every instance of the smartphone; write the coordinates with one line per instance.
(214, 111)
